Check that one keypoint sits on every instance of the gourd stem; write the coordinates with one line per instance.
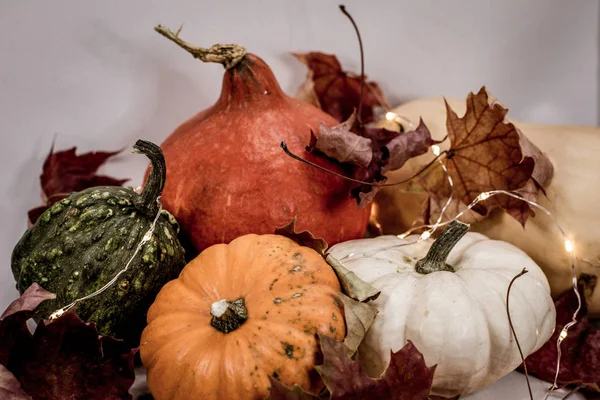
(435, 260)
(156, 180)
(228, 315)
(227, 54)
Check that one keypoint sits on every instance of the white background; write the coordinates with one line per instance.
(95, 74)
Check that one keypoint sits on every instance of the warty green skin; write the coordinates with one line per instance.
(83, 241)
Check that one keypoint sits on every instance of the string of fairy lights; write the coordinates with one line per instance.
(145, 239)
(431, 228)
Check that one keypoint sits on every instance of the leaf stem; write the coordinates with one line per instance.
(362, 64)
(512, 329)
(298, 158)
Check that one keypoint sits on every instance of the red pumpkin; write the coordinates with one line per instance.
(227, 175)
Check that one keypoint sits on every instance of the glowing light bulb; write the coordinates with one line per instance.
(425, 235)
(484, 195)
(436, 149)
(56, 314)
(568, 247)
(147, 236)
(563, 335)
(390, 116)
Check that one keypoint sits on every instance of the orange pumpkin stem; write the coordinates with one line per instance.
(435, 260)
(228, 315)
(227, 54)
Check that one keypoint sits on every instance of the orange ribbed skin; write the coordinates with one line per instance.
(290, 294)
(227, 175)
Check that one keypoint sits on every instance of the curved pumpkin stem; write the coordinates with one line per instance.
(435, 260)
(227, 54)
(228, 315)
(156, 180)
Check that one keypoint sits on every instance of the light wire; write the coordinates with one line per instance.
(145, 239)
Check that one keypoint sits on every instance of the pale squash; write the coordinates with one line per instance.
(454, 312)
(573, 196)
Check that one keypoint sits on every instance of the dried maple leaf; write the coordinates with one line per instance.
(64, 358)
(370, 151)
(64, 172)
(335, 91)
(351, 284)
(486, 153)
(339, 143)
(580, 361)
(406, 378)
(304, 238)
(405, 146)
(359, 317)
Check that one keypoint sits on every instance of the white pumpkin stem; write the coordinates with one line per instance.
(228, 315)
(436, 257)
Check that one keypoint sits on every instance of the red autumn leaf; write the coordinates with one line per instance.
(64, 358)
(406, 378)
(28, 301)
(486, 153)
(580, 361)
(14, 333)
(10, 388)
(370, 151)
(65, 172)
(335, 91)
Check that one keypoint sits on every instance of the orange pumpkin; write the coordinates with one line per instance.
(237, 314)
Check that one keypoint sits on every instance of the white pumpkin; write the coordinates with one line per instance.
(572, 196)
(456, 318)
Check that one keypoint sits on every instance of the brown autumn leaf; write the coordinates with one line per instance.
(339, 143)
(580, 361)
(351, 284)
(405, 146)
(370, 151)
(359, 317)
(391, 150)
(406, 378)
(64, 172)
(486, 153)
(304, 238)
(335, 91)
